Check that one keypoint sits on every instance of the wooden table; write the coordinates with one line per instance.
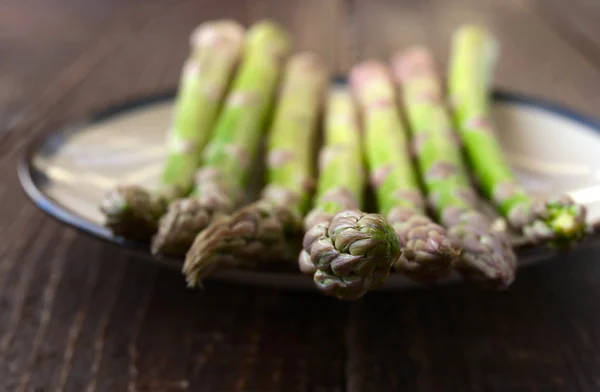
(77, 315)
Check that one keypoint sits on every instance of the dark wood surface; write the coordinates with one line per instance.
(77, 315)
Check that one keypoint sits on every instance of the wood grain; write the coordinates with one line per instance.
(77, 315)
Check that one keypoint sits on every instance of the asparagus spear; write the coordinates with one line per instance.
(259, 231)
(132, 211)
(486, 255)
(347, 251)
(224, 169)
(558, 220)
(428, 254)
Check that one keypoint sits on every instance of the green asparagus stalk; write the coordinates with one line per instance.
(558, 220)
(220, 181)
(486, 253)
(132, 211)
(428, 253)
(259, 232)
(347, 251)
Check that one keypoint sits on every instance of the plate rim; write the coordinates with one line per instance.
(25, 167)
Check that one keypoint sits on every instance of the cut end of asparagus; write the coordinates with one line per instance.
(307, 61)
(269, 31)
(365, 73)
(413, 62)
(487, 256)
(352, 254)
(559, 221)
(476, 37)
(216, 33)
(132, 212)
(252, 236)
(428, 252)
(184, 219)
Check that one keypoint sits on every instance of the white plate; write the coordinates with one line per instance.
(67, 172)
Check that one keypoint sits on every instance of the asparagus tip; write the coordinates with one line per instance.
(352, 254)
(304, 263)
(254, 235)
(178, 227)
(428, 260)
(132, 212)
(206, 252)
(487, 256)
(351, 288)
(428, 252)
(257, 234)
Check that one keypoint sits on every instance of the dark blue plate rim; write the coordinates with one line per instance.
(26, 171)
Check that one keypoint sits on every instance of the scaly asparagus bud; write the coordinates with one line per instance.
(486, 253)
(428, 253)
(347, 252)
(487, 257)
(260, 230)
(557, 221)
(352, 253)
(226, 160)
(132, 211)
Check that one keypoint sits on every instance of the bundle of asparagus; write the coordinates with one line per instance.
(132, 211)
(428, 253)
(487, 256)
(215, 136)
(558, 220)
(220, 181)
(260, 231)
(347, 251)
